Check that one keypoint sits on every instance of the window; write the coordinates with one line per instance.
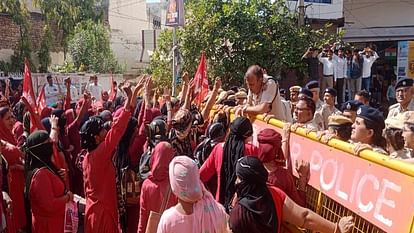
(317, 1)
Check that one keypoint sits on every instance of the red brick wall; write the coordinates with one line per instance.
(10, 35)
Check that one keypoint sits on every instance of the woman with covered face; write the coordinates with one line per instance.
(260, 208)
(14, 158)
(223, 158)
(101, 213)
(45, 190)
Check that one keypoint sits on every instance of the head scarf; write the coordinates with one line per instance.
(208, 215)
(89, 130)
(106, 115)
(39, 152)
(254, 211)
(270, 143)
(18, 111)
(6, 134)
(161, 157)
(26, 122)
(240, 129)
(182, 120)
(156, 132)
(122, 150)
(46, 123)
(216, 132)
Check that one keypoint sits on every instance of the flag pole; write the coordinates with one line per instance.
(174, 81)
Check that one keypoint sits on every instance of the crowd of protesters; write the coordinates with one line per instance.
(134, 152)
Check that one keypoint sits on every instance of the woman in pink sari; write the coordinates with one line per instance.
(196, 211)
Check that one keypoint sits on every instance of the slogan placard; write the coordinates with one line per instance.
(376, 193)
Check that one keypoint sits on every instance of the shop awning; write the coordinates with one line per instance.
(379, 34)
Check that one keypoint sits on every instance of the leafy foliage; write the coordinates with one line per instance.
(19, 13)
(90, 48)
(237, 34)
(44, 52)
(68, 13)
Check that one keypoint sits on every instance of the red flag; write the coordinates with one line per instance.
(41, 100)
(29, 98)
(28, 85)
(200, 82)
(113, 89)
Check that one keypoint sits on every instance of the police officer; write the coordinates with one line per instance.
(367, 130)
(408, 134)
(349, 109)
(313, 86)
(328, 108)
(404, 95)
(294, 97)
(395, 141)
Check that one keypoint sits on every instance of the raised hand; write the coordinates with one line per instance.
(303, 170)
(185, 77)
(54, 121)
(217, 83)
(346, 224)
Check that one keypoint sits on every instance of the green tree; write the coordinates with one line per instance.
(19, 13)
(237, 34)
(44, 52)
(68, 13)
(90, 47)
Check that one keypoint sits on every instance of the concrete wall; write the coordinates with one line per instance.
(320, 10)
(378, 13)
(10, 37)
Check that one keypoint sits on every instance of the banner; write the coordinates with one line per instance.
(200, 82)
(175, 13)
(376, 193)
(405, 60)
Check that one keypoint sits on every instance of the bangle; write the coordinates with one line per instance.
(55, 128)
(284, 140)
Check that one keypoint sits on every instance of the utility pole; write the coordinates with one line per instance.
(301, 9)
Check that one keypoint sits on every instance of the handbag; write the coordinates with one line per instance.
(154, 217)
(131, 186)
(71, 217)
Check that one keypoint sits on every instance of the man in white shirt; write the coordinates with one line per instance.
(329, 64)
(339, 75)
(369, 56)
(94, 88)
(264, 97)
(51, 92)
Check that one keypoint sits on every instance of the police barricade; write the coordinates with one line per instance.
(375, 189)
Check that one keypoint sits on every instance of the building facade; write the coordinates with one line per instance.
(135, 26)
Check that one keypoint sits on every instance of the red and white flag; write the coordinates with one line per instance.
(41, 100)
(28, 92)
(200, 82)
